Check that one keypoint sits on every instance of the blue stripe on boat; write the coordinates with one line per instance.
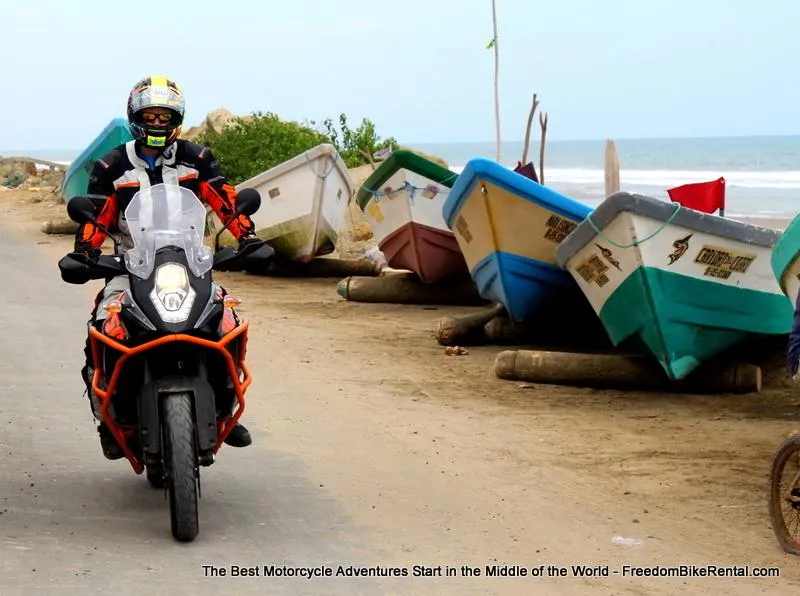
(523, 285)
(480, 168)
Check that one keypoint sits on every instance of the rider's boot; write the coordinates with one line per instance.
(111, 449)
(239, 435)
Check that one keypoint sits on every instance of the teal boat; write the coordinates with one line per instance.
(682, 284)
(76, 178)
(785, 261)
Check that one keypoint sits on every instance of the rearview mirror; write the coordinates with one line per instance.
(81, 209)
(248, 200)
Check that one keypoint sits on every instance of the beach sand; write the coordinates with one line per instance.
(685, 474)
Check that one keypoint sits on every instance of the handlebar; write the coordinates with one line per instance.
(78, 268)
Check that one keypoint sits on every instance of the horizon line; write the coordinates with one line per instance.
(615, 139)
(4, 152)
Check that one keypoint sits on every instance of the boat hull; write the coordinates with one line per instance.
(508, 227)
(76, 178)
(684, 285)
(303, 203)
(402, 201)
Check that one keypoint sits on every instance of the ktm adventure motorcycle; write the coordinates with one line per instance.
(169, 360)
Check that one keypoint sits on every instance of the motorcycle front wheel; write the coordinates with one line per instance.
(784, 495)
(181, 462)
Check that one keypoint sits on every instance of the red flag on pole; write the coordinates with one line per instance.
(701, 196)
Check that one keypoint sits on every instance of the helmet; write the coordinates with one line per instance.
(155, 92)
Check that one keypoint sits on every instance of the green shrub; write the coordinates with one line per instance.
(250, 145)
(353, 144)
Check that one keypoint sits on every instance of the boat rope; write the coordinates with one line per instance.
(311, 166)
(407, 186)
(635, 242)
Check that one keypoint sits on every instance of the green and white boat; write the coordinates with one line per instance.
(685, 285)
(786, 260)
(76, 178)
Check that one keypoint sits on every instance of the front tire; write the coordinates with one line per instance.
(181, 461)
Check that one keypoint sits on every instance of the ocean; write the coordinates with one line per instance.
(762, 173)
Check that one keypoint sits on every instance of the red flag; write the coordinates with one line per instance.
(701, 196)
(527, 170)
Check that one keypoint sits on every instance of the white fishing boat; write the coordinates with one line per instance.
(303, 203)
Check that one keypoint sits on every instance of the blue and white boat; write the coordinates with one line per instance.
(508, 228)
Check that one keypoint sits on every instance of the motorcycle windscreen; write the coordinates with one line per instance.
(166, 215)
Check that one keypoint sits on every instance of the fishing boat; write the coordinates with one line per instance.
(680, 284)
(303, 203)
(76, 178)
(785, 261)
(508, 227)
(402, 201)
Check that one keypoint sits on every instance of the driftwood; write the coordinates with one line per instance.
(534, 105)
(543, 124)
(611, 166)
(407, 288)
(495, 327)
(59, 226)
(502, 331)
(552, 332)
(324, 267)
(466, 330)
(621, 372)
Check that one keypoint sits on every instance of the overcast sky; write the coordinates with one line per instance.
(419, 69)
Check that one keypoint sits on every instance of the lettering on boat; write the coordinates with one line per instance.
(558, 228)
(463, 228)
(681, 246)
(593, 269)
(608, 256)
(274, 192)
(721, 263)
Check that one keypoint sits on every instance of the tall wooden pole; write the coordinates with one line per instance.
(496, 82)
(611, 167)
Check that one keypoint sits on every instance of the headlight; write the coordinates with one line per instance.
(172, 295)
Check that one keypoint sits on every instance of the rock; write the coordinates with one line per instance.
(215, 121)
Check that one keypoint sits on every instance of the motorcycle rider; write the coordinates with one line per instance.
(156, 107)
(793, 345)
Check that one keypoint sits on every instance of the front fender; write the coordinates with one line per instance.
(202, 396)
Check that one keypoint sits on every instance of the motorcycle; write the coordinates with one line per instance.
(169, 360)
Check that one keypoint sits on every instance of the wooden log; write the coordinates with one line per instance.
(466, 330)
(325, 267)
(59, 226)
(407, 288)
(502, 331)
(621, 372)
